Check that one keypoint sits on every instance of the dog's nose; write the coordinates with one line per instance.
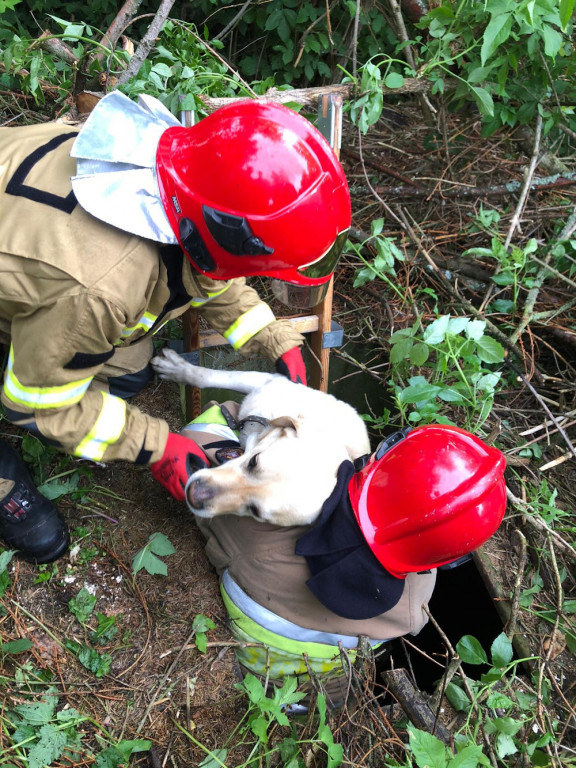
(199, 492)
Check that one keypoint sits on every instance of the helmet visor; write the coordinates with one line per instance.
(326, 264)
(298, 296)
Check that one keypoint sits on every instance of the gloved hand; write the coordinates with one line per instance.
(181, 458)
(291, 364)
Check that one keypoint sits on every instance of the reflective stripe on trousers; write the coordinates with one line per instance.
(283, 648)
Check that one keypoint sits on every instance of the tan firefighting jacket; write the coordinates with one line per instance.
(260, 558)
(73, 290)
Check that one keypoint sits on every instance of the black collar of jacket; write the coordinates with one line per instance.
(345, 575)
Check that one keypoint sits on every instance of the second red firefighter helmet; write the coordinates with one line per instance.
(255, 189)
(437, 494)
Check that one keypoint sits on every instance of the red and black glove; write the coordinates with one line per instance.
(181, 458)
(291, 364)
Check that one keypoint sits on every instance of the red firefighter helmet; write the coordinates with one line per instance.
(437, 494)
(255, 189)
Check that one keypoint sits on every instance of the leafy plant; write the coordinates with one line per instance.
(511, 57)
(508, 711)
(265, 711)
(453, 355)
(201, 625)
(97, 663)
(382, 266)
(148, 558)
(82, 605)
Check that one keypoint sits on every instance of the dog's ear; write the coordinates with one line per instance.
(285, 422)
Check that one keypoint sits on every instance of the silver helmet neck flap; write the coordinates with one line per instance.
(115, 155)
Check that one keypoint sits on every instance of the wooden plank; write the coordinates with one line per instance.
(302, 323)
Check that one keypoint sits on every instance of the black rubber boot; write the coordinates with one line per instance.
(29, 522)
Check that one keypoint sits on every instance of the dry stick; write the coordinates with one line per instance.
(532, 517)
(116, 29)
(308, 97)
(231, 24)
(527, 182)
(305, 35)
(549, 412)
(513, 618)
(467, 688)
(530, 302)
(427, 108)
(557, 181)
(529, 174)
(355, 40)
(546, 661)
(147, 42)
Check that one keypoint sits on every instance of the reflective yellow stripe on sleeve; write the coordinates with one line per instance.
(199, 301)
(106, 430)
(248, 325)
(42, 397)
(146, 321)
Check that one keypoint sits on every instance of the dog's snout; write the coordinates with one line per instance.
(199, 492)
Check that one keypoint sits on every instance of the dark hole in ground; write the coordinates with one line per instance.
(461, 606)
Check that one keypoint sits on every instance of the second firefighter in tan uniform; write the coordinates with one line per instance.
(73, 290)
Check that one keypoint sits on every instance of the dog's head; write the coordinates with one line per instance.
(283, 479)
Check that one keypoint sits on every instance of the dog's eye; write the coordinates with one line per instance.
(253, 463)
(253, 509)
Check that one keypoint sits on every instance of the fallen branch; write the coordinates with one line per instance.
(147, 42)
(308, 97)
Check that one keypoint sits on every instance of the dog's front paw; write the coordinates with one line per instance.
(171, 366)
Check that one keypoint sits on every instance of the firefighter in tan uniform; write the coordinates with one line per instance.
(107, 233)
(297, 596)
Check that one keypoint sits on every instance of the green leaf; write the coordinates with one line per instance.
(489, 350)
(507, 725)
(161, 545)
(469, 757)
(566, 10)
(129, 746)
(202, 623)
(420, 392)
(457, 324)
(162, 69)
(505, 745)
(401, 350)
(419, 354)
(501, 651)
(39, 712)
(435, 333)
(5, 558)
(428, 750)
(16, 646)
(450, 395)
(82, 605)
(552, 40)
(394, 80)
(496, 33)
(457, 697)
(48, 748)
(475, 329)
(259, 728)
(109, 758)
(470, 650)
(484, 101)
(215, 759)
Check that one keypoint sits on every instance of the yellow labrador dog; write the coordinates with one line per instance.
(298, 438)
